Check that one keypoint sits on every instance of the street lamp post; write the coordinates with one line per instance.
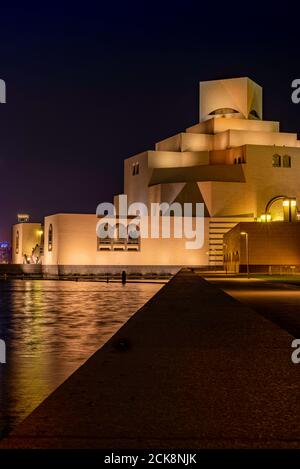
(225, 261)
(244, 233)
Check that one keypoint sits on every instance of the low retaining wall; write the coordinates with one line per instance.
(19, 269)
(62, 270)
(270, 269)
(57, 271)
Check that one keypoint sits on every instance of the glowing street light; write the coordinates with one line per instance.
(266, 217)
(244, 233)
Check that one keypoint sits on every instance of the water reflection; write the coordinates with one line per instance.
(50, 329)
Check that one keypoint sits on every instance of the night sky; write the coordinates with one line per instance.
(91, 84)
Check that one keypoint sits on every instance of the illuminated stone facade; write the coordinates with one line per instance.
(272, 248)
(232, 161)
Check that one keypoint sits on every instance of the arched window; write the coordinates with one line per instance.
(276, 161)
(135, 168)
(133, 234)
(104, 240)
(120, 232)
(286, 161)
(17, 242)
(223, 110)
(50, 237)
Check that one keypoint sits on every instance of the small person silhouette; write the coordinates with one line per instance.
(123, 277)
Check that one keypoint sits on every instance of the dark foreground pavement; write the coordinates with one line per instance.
(193, 368)
(276, 299)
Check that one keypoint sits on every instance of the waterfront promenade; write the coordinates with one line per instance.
(192, 368)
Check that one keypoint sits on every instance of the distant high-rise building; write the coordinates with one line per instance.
(23, 217)
(4, 252)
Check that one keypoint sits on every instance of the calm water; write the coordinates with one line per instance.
(50, 329)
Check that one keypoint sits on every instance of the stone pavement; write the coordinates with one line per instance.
(193, 368)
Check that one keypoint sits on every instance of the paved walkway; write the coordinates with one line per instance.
(192, 368)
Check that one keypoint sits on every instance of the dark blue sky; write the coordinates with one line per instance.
(92, 84)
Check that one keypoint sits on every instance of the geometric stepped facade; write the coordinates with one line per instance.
(231, 160)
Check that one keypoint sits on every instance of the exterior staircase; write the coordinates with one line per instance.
(217, 228)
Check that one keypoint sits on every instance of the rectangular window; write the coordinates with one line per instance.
(129, 242)
(118, 244)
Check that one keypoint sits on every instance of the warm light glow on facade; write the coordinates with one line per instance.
(266, 217)
(289, 202)
(236, 166)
